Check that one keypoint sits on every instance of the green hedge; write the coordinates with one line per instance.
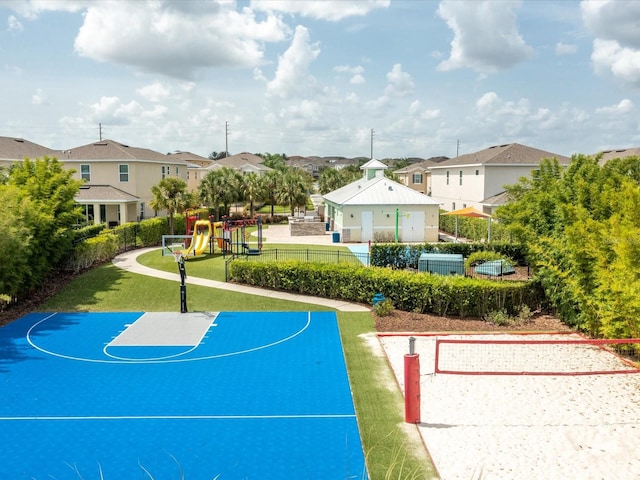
(411, 292)
(401, 256)
(150, 231)
(92, 251)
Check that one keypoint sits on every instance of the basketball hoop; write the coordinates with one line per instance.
(178, 256)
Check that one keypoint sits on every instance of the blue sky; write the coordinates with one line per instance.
(317, 77)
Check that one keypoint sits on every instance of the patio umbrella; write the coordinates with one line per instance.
(470, 212)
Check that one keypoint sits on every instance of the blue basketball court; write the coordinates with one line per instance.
(230, 395)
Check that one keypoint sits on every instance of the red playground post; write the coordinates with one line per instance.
(412, 384)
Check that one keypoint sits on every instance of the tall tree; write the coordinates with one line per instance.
(252, 190)
(50, 192)
(274, 160)
(270, 182)
(330, 179)
(294, 189)
(170, 195)
(211, 190)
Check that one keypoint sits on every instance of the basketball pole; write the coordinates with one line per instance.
(183, 286)
(412, 384)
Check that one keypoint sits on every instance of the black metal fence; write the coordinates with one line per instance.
(498, 270)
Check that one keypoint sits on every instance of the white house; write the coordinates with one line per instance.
(376, 208)
(477, 179)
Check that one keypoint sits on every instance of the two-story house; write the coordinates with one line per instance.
(118, 179)
(477, 179)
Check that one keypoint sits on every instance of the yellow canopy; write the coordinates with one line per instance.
(471, 212)
(468, 212)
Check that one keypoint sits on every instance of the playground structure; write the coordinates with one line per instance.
(233, 237)
(236, 237)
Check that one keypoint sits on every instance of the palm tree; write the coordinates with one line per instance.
(171, 195)
(231, 191)
(211, 190)
(252, 189)
(270, 182)
(294, 189)
(330, 179)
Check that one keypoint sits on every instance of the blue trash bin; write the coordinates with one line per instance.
(326, 226)
(377, 298)
(336, 237)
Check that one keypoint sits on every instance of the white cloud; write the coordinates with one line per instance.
(154, 92)
(623, 63)
(399, 83)
(486, 37)
(623, 107)
(616, 47)
(38, 98)
(416, 110)
(112, 111)
(292, 75)
(566, 48)
(487, 100)
(175, 38)
(31, 9)
(14, 24)
(613, 20)
(332, 10)
(357, 79)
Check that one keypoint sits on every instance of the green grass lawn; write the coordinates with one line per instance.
(389, 452)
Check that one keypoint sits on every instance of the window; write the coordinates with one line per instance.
(188, 174)
(417, 178)
(85, 172)
(447, 177)
(177, 172)
(460, 177)
(141, 210)
(453, 206)
(477, 172)
(124, 172)
(163, 173)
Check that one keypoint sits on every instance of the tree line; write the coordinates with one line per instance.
(581, 225)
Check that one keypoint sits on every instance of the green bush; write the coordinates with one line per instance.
(408, 291)
(476, 258)
(150, 231)
(92, 251)
(384, 308)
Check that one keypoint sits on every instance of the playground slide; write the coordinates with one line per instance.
(200, 238)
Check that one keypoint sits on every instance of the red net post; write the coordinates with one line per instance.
(412, 385)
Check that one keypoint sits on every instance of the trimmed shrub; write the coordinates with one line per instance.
(150, 231)
(92, 251)
(408, 291)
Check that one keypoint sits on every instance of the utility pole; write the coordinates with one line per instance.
(372, 144)
(457, 148)
(100, 131)
(226, 139)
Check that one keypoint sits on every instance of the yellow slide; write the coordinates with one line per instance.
(200, 238)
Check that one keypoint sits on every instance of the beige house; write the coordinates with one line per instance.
(196, 165)
(118, 179)
(376, 208)
(476, 179)
(416, 176)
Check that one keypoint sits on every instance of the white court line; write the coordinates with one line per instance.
(170, 360)
(177, 417)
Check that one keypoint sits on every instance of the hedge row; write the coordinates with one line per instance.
(411, 292)
(401, 256)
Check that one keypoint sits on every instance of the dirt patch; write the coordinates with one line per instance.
(400, 321)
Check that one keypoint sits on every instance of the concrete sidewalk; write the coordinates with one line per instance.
(128, 261)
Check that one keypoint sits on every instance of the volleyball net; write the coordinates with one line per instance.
(524, 356)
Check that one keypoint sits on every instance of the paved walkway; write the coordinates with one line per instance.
(128, 261)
